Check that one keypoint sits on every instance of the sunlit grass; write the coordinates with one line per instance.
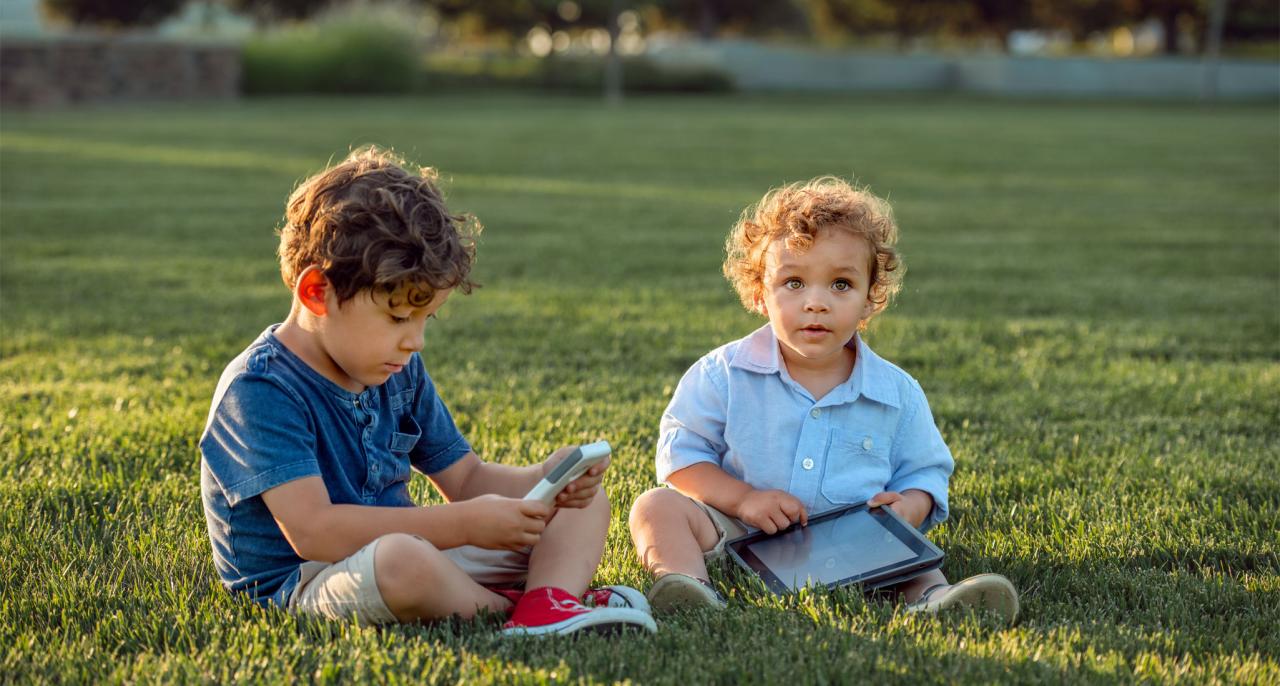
(1092, 304)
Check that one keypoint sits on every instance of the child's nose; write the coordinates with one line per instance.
(815, 304)
(413, 341)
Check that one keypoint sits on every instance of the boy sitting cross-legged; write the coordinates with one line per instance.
(314, 428)
(800, 416)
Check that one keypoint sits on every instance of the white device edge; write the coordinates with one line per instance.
(592, 455)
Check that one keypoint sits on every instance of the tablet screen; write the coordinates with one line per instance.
(831, 550)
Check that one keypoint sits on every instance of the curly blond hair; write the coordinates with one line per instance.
(794, 214)
(367, 222)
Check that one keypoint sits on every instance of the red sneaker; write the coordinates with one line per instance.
(550, 610)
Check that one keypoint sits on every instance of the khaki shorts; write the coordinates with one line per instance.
(348, 588)
(727, 528)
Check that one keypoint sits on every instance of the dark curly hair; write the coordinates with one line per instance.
(794, 214)
(368, 223)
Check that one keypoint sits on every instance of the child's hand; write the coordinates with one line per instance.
(771, 511)
(500, 523)
(580, 491)
(912, 505)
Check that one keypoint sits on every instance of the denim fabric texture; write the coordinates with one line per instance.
(274, 419)
(738, 408)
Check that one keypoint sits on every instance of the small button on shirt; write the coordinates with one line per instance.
(739, 409)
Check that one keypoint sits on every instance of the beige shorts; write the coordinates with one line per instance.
(348, 588)
(727, 528)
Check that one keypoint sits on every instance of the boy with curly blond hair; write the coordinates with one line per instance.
(313, 430)
(800, 416)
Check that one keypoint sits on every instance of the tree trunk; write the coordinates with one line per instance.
(1213, 46)
(613, 63)
(1172, 41)
(706, 20)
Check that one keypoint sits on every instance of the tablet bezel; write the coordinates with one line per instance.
(928, 556)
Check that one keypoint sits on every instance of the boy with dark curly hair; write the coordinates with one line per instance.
(800, 416)
(313, 430)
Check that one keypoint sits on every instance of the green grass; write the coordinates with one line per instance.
(1092, 304)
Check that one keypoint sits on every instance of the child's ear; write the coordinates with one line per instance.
(868, 311)
(311, 290)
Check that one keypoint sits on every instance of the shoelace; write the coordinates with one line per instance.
(598, 597)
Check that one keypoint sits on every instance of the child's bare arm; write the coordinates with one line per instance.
(769, 511)
(320, 530)
(913, 504)
(472, 477)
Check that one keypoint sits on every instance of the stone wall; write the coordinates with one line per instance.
(50, 72)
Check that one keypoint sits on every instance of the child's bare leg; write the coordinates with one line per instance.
(418, 582)
(912, 589)
(671, 533)
(571, 547)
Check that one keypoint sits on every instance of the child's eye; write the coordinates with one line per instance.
(398, 320)
(793, 284)
(841, 285)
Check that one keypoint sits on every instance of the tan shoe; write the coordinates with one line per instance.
(982, 592)
(680, 591)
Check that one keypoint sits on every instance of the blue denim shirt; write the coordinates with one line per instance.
(739, 409)
(274, 419)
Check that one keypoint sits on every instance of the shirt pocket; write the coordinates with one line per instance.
(403, 440)
(857, 466)
(391, 464)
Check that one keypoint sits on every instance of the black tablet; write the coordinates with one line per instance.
(871, 547)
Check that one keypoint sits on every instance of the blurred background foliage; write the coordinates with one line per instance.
(1183, 23)
(400, 46)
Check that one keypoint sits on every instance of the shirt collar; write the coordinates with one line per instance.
(300, 366)
(872, 376)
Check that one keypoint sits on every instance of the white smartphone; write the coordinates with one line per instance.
(582, 458)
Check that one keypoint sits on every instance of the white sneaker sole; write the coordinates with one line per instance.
(602, 620)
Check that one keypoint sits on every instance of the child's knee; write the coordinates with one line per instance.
(401, 563)
(654, 504)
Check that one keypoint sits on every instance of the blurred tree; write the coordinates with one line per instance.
(110, 13)
(831, 20)
(512, 17)
(997, 18)
(907, 19)
(1252, 20)
(710, 18)
(268, 11)
(1172, 15)
(516, 17)
(1080, 18)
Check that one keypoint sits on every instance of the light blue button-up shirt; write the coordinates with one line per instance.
(740, 410)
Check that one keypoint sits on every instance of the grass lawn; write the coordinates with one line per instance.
(1092, 304)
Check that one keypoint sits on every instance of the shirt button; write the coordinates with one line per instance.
(815, 412)
(866, 443)
(808, 463)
